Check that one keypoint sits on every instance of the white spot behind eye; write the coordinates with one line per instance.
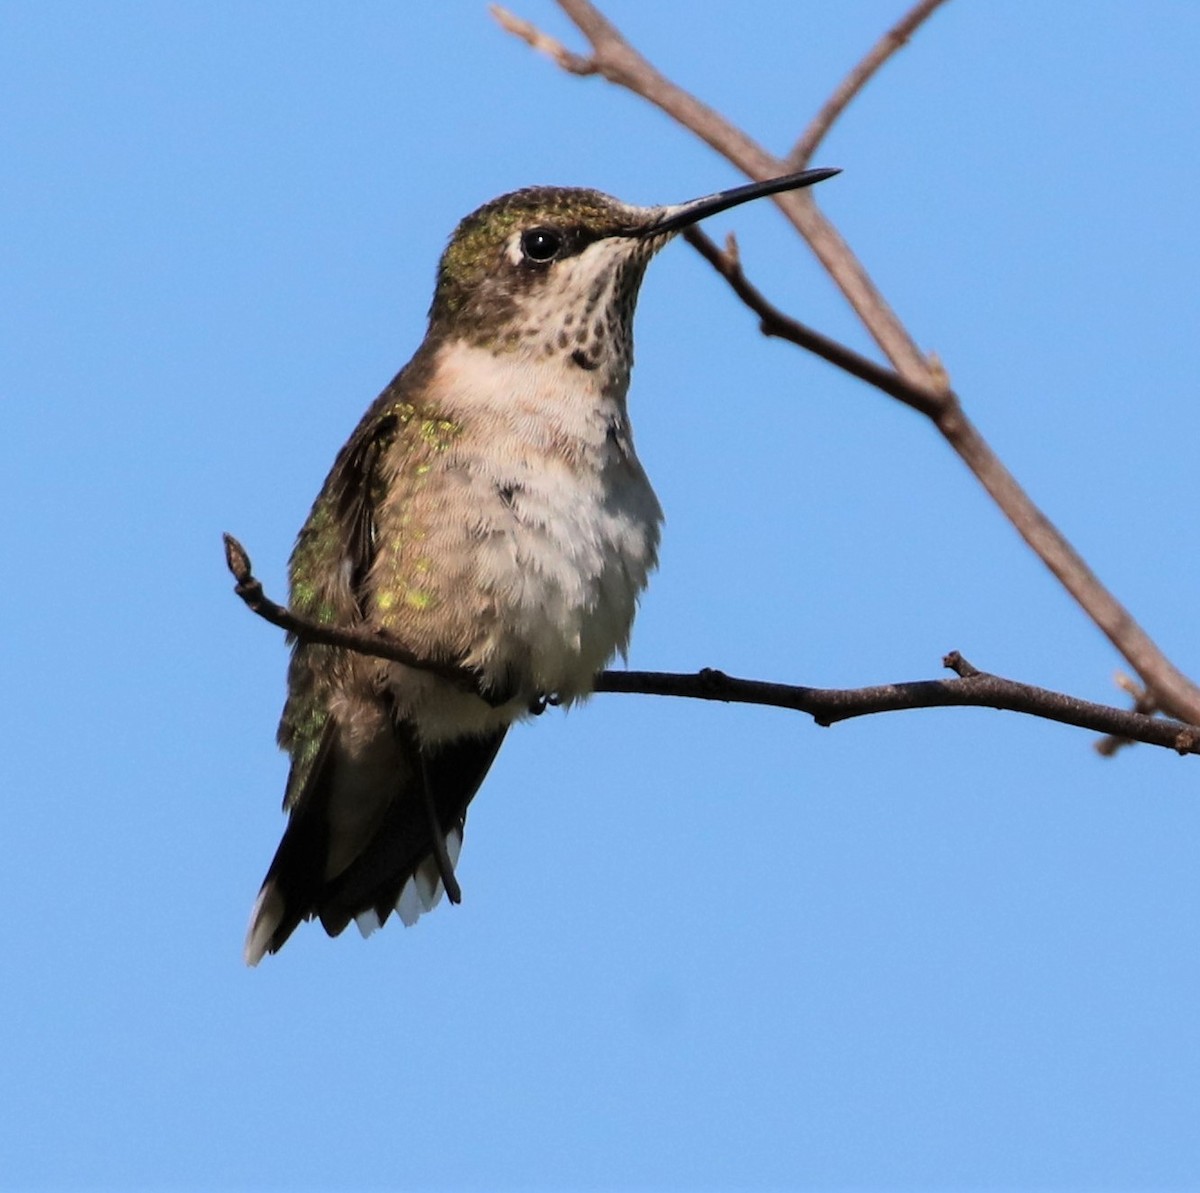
(512, 250)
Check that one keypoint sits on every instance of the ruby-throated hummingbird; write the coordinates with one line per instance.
(489, 511)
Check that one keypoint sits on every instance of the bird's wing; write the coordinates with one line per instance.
(358, 841)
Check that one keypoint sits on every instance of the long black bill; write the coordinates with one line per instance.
(685, 214)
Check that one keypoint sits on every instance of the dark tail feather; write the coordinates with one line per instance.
(400, 852)
(358, 842)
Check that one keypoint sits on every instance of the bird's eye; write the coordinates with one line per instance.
(541, 244)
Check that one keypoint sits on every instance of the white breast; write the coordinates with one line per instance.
(573, 521)
(581, 547)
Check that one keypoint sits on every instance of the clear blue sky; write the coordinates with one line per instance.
(700, 947)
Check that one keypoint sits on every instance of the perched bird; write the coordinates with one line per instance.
(488, 512)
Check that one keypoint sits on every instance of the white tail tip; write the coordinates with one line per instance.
(265, 917)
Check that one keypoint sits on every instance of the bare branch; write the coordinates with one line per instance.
(773, 322)
(919, 381)
(857, 79)
(1174, 691)
(576, 64)
(251, 592)
(974, 688)
(825, 705)
(615, 59)
(1143, 702)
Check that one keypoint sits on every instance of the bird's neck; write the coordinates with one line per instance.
(546, 402)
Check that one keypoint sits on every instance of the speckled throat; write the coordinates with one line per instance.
(583, 313)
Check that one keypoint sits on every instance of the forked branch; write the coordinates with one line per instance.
(915, 379)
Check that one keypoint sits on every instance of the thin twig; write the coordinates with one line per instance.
(1143, 702)
(576, 64)
(857, 79)
(251, 591)
(616, 60)
(773, 322)
(980, 689)
(825, 705)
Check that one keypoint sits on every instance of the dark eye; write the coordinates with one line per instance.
(541, 244)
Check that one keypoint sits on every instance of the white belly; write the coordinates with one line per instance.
(570, 572)
(566, 548)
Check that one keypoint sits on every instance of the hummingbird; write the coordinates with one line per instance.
(489, 513)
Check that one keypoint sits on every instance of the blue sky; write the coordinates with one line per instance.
(700, 947)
